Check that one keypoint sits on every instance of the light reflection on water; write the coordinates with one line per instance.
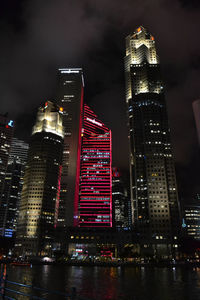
(104, 283)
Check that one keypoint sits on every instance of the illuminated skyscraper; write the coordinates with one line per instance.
(10, 198)
(70, 97)
(38, 212)
(6, 133)
(85, 198)
(12, 187)
(95, 200)
(155, 208)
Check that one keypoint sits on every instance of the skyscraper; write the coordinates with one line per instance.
(95, 192)
(38, 212)
(18, 150)
(87, 145)
(192, 220)
(6, 133)
(10, 198)
(70, 97)
(120, 201)
(155, 208)
(11, 194)
(196, 111)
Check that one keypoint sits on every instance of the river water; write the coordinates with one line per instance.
(103, 283)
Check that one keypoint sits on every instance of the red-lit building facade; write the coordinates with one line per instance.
(95, 186)
(86, 180)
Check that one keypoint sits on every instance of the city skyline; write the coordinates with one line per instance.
(100, 149)
(102, 48)
(97, 43)
(84, 181)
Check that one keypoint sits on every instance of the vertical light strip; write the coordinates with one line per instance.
(110, 178)
(57, 198)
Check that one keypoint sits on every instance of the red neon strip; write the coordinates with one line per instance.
(96, 199)
(110, 178)
(96, 208)
(94, 222)
(94, 215)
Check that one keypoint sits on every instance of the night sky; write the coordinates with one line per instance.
(39, 36)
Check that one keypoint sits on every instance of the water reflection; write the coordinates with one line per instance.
(102, 283)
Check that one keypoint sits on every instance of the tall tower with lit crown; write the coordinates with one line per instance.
(155, 208)
(39, 205)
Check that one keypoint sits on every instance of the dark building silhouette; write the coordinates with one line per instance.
(196, 111)
(70, 97)
(120, 200)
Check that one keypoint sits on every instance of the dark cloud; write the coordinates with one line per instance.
(37, 37)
